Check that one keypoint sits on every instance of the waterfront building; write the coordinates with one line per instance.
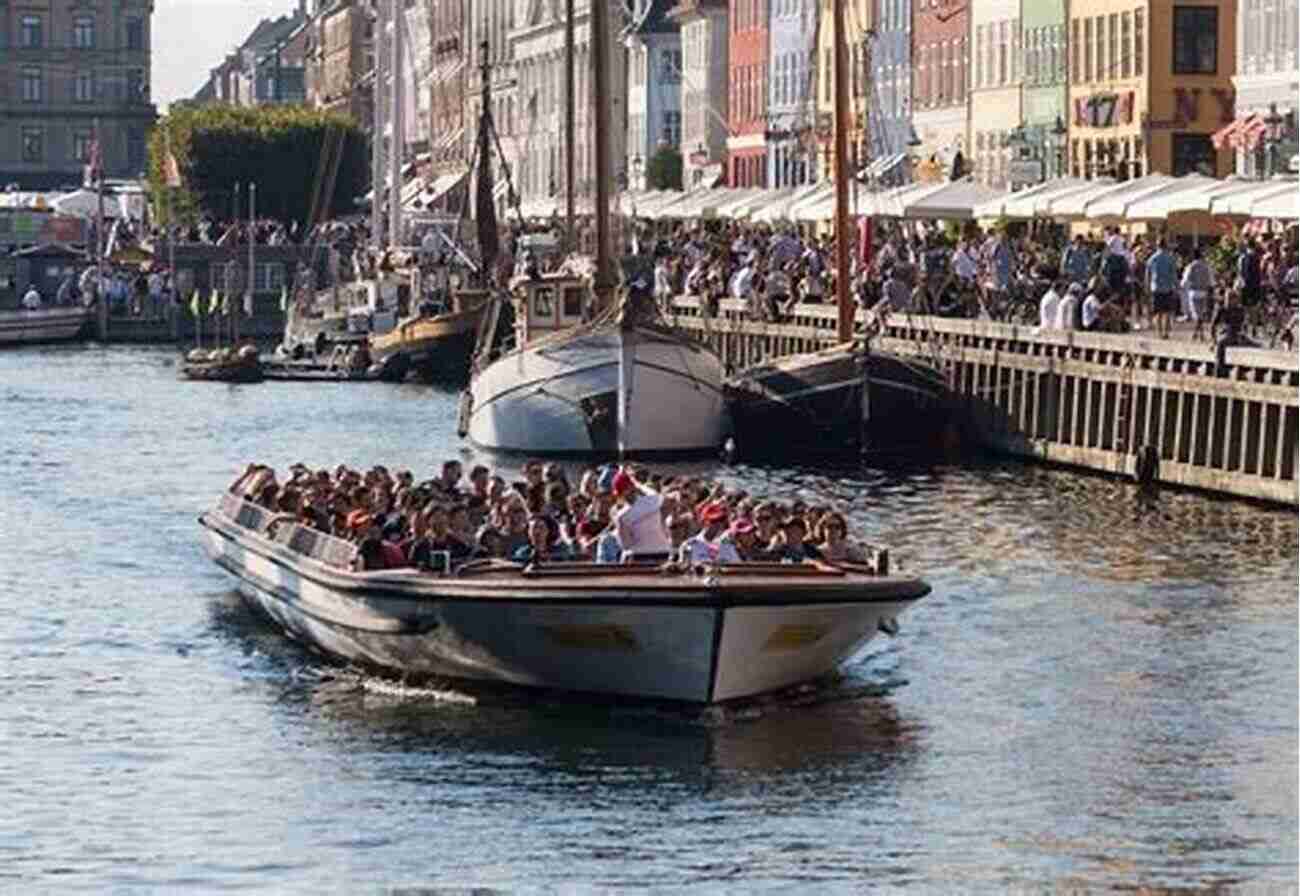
(940, 33)
(1150, 85)
(889, 125)
(1041, 143)
(269, 66)
(791, 96)
(996, 98)
(531, 114)
(339, 57)
(71, 72)
(449, 79)
(747, 48)
(704, 93)
(1268, 87)
(491, 26)
(654, 91)
(860, 17)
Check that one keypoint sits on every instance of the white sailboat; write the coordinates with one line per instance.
(603, 377)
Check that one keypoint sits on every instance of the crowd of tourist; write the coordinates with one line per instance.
(614, 514)
(1106, 284)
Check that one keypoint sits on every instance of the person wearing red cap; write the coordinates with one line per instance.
(639, 524)
(705, 546)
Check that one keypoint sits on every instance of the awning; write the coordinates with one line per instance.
(779, 209)
(882, 167)
(747, 205)
(955, 201)
(1187, 195)
(1114, 204)
(433, 192)
(1021, 203)
(1242, 202)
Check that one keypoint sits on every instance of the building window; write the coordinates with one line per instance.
(1126, 45)
(1193, 153)
(81, 143)
(1139, 42)
(31, 81)
(135, 145)
(1114, 48)
(1004, 47)
(1196, 40)
(1089, 72)
(83, 33)
(135, 34)
(1076, 45)
(30, 32)
(83, 87)
(33, 145)
(268, 276)
(137, 86)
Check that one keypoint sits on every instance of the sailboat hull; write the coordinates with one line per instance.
(606, 393)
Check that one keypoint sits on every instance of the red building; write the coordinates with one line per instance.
(939, 83)
(747, 107)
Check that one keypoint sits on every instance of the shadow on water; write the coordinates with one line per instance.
(823, 729)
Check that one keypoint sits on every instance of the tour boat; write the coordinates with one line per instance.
(702, 635)
(622, 385)
(432, 345)
(50, 324)
(838, 400)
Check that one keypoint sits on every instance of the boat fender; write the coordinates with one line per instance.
(729, 451)
(888, 625)
(1146, 466)
(463, 414)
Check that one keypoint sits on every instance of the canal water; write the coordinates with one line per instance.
(1100, 694)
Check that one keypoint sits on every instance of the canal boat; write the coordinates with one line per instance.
(431, 344)
(699, 635)
(839, 400)
(50, 324)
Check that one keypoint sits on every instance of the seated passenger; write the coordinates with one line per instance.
(639, 524)
(790, 544)
(489, 544)
(438, 544)
(544, 544)
(835, 546)
(743, 539)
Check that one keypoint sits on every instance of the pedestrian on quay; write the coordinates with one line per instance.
(1162, 281)
(1198, 286)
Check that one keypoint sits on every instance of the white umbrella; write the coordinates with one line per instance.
(1281, 205)
(955, 201)
(1114, 204)
(1073, 205)
(1193, 193)
(1021, 203)
(84, 204)
(1243, 202)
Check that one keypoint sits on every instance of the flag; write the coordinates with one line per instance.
(225, 306)
(248, 303)
(93, 163)
(284, 297)
(485, 206)
(196, 304)
(213, 300)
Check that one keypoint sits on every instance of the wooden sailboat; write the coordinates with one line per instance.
(592, 373)
(851, 397)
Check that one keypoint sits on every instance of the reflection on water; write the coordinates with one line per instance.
(1099, 695)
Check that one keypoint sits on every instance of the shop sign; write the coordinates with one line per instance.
(1104, 110)
(1187, 108)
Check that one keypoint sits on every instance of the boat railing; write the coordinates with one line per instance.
(280, 528)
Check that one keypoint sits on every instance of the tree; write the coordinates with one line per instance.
(279, 148)
(665, 169)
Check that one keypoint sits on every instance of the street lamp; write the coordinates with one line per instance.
(1059, 131)
(1272, 137)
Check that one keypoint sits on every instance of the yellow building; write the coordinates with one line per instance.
(1150, 83)
(858, 20)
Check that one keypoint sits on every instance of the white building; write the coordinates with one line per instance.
(654, 91)
(535, 140)
(1268, 85)
(704, 93)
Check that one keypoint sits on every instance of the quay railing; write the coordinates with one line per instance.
(1116, 403)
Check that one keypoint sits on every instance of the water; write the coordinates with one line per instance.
(1100, 694)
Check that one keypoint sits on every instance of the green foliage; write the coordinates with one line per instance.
(278, 148)
(665, 169)
(1222, 257)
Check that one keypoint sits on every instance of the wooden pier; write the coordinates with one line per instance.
(1097, 401)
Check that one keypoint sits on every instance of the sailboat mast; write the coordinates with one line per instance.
(570, 128)
(600, 135)
(398, 139)
(377, 136)
(844, 331)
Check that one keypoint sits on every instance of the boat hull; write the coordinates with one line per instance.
(687, 641)
(600, 394)
(60, 324)
(813, 404)
(437, 348)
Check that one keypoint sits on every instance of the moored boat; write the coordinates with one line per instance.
(838, 400)
(59, 323)
(703, 635)
(223, 365)
(431, 345)
(622, 385)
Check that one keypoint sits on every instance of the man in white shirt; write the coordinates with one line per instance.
(704, 546)
(1066, 309)
(32, 298)
(742, 282)
(639, 524)
(1091, 311)
(1047, 308)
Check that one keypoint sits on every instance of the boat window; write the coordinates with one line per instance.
(573, 302)
(543, 304)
